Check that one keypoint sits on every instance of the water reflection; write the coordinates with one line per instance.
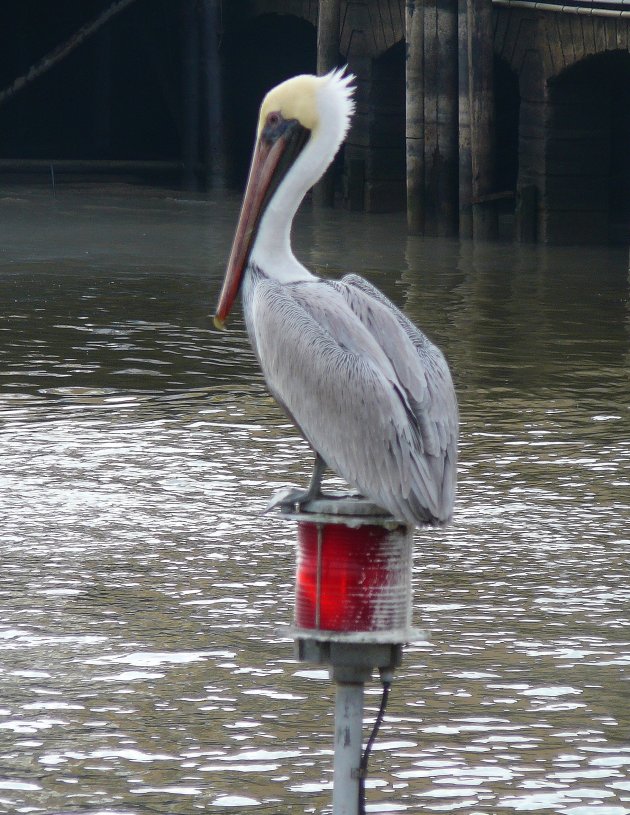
(142, 667)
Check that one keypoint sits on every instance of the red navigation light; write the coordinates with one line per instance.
(353, 579)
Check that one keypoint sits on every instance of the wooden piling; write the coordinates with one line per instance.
(190, 95)
(526, 214)
(465, 158)
(102, 99)
(328, 35)
(328, 23)
(440, 116)
(414, 126)
(481, 95)
(214, 143)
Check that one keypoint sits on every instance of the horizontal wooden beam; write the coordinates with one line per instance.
(590, 11)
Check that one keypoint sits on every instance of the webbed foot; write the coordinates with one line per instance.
(293, 499)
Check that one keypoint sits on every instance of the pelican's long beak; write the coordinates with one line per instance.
(276, 149)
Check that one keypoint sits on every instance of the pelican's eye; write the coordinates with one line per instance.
(276, 126)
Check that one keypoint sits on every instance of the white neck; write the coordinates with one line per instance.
(272, 249)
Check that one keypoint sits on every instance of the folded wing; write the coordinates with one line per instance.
(366, 388)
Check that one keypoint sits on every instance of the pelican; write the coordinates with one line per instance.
(368, 391)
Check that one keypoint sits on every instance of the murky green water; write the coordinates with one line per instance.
(142, 599)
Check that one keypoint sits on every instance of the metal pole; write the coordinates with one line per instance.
(348, 746)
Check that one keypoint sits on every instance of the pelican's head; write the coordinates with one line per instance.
(301, 125)
(310, 100)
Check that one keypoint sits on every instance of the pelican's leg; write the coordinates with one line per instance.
(314, 491)
(315, 486)
(295, 499)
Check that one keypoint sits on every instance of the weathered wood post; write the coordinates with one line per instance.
(327, 58)
(102, 100)
(465, 158)
(440, 116)
(414, 125)
(214, 143)
(481, 94)
(190, 94)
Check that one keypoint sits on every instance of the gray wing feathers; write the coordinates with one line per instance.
(360, 404)
(424, 375)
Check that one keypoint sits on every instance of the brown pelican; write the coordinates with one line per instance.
(366, 388)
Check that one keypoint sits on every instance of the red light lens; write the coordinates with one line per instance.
(352, 579)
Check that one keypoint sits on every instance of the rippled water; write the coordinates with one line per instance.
(143, 599)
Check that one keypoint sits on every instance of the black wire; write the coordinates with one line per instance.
(368, 747)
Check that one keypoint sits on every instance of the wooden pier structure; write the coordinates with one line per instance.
(513, 119)
(478, 117)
